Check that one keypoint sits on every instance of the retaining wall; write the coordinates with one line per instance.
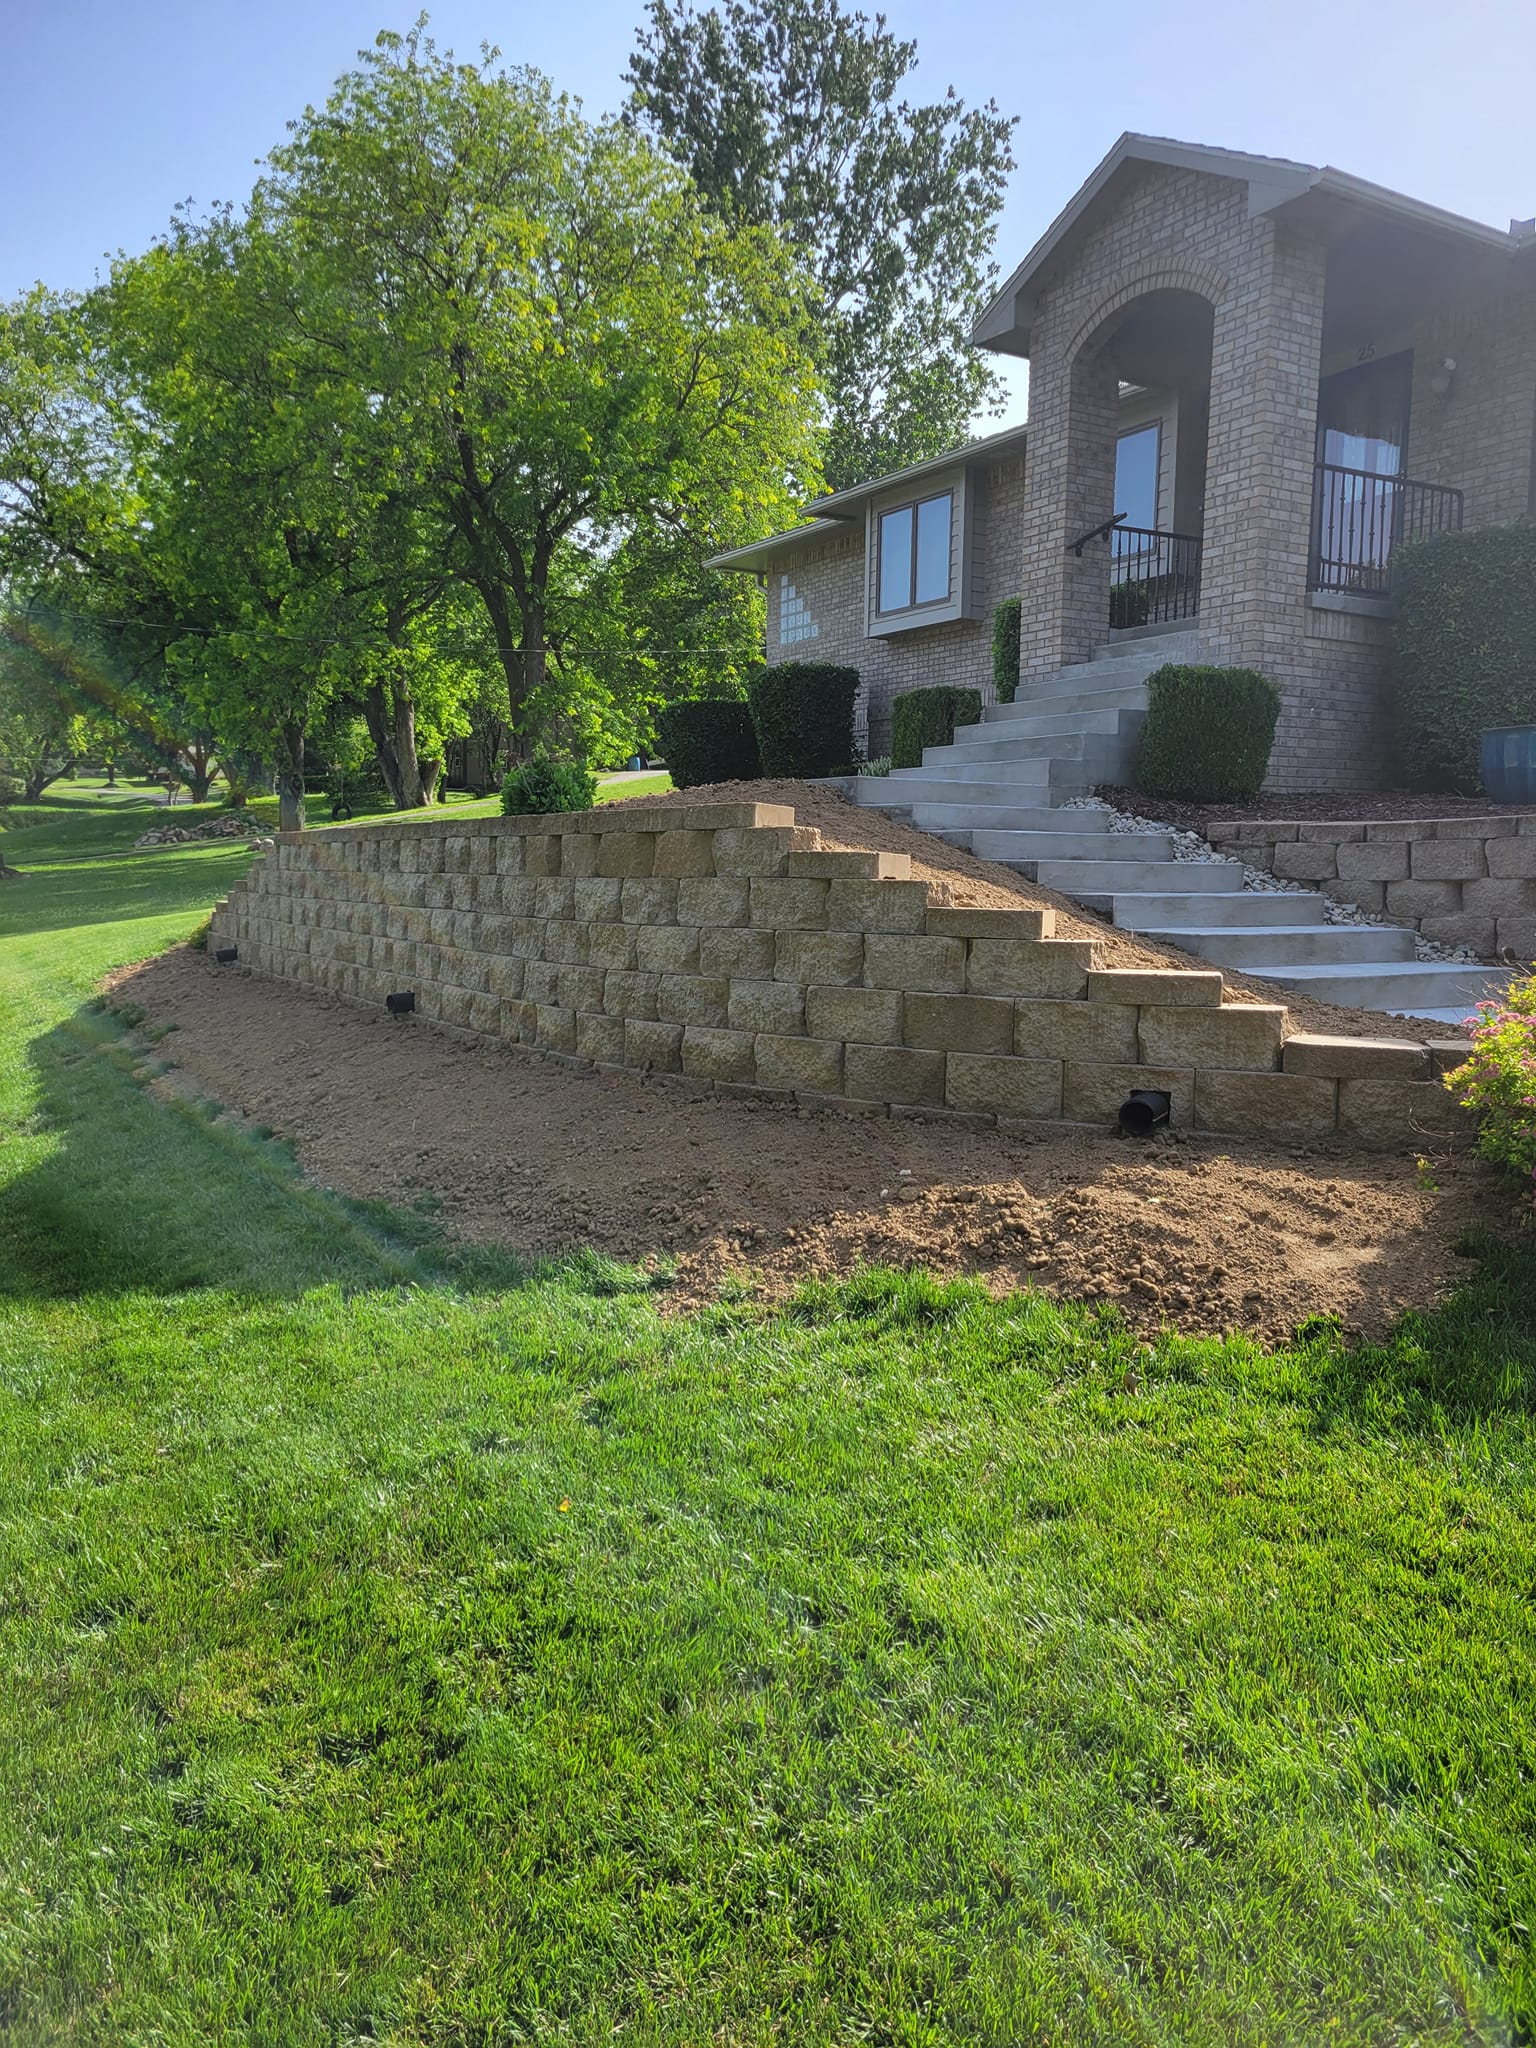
(729, 950)
(1463, 881)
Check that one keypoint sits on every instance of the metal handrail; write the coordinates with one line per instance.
(1154, 576)
(1102, 531)
(1359, 519)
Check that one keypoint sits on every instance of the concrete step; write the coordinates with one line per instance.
(1166, 877)
(1408, 985)
(1002, 743)
(1249, 907)
(1101, 848)
(1155, 649)
(1266, 949)
(1128, 697)
(1028, 772)
(1049, 724)
(916, 786)
(1001, 817)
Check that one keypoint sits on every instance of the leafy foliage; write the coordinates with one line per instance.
(803, 715)
(1463, 646)
(927, 718)
(1005, 649)
(542, 786)
(1208, 732)
(787, 112)
(1497, 1080)
(708, 741)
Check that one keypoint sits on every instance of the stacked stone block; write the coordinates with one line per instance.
(1460, 881)
(727, 949)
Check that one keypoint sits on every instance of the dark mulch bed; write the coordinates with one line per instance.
(1337, 806)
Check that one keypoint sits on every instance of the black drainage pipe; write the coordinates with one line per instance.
(227, 953)
(401, 1005)
(1143, 1110)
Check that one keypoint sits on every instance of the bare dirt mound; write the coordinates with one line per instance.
(1205, 1234)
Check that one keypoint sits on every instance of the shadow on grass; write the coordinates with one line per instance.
(138, 1185)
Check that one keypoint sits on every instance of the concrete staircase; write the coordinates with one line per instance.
(997, 792)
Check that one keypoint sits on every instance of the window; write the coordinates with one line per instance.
(914, 556)
(795, 621)
(1138, 457)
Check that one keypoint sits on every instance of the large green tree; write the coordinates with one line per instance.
(573, 350)
(790, 112)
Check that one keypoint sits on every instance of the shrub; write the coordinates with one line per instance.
(1130, 604)
(1208, 733)
(708, 741)
(540, 786)
(927, 718)
(880, 765)
(1497, 1080)
(803, 715)
(1463, 646)
(1005, 649)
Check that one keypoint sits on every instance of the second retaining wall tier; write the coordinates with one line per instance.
(728, 947)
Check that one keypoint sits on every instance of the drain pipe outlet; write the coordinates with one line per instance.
(1143, 1110)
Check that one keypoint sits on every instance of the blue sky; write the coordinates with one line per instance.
(113, 110)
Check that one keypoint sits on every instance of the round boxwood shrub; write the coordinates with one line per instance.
(1208, 733)
(706, 740)
(1005, 649)
(1463, 646)
(541, 786)
(927, 718)
(802, 712)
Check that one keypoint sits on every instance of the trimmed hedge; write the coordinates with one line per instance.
(803, 715)
(1005, 648)
(1463, 647)
(708, 740)
(1208, 733)
(541, 786)
(927, 718)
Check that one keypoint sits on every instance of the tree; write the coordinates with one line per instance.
(786, 112)
(576, 351)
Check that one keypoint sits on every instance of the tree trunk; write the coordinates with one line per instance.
(524, 661)
(430, 771)
(200, 771)
(390, 715)
(290, 782)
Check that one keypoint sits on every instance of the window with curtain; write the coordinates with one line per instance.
(913, 562)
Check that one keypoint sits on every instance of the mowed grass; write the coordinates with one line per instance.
(398, 1646)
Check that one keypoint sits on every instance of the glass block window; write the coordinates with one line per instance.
(795, 622)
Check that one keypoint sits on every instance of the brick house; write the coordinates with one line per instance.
(1250, 381)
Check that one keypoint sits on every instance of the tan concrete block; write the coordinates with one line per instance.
(917, 961)
(556, 1028)
(1400, 1111)
(726, 950)
(650, 902)
(1342, 1059)
(1477, 828)
(1239, 1035)
(655, 1045)
(1410, 901)
(1057, 968)
(630, 994)
(1075, 1031)
(599, 1037)
(825, 959)
(614, 945)
(1022, 926)
(581, 988)
(877, 906)
(1370, 896)
(1092, 1094)
(505, 977)
(1503, 898)
(714, 1055)
(1174, 988)
(1312, 862)
(1447, 860)
(781, 905)
(579, 853)
(1445, 1054)
(732, 817)
(753, 852)
(667, 948)
(1518, 933)
(1265, 1105)
(1378, 860)
(1316, 832)
(567, 942)
(773, 1006)
(541, 981)
(894, 1073)
(1004, 1087)
(814, 1063)
(1404, 829)
(693, 999)
(833, 864)
(685, 853)
(594, 899)
(862, 1016)
(627, 854)
(724, 901)
(1511, 860)
(510, 851)
(541, 854)
(461, 892)
(519, 1022)
(952, 1023)
(1478, 934)
(554, 896)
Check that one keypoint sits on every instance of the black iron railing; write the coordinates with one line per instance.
(1153, 576)
(1359, 519)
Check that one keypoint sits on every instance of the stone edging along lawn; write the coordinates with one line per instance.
(728, 947)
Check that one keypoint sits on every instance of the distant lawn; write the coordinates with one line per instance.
(399, 1645)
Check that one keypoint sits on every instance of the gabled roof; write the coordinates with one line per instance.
(1273, 182)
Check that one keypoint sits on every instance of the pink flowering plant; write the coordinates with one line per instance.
(1497, 1081)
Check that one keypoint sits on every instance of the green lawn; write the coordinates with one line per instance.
(400, 1647)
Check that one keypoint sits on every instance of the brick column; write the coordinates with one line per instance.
(1071, 487)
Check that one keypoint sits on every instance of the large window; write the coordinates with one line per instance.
(914, 554)
(1138, 457)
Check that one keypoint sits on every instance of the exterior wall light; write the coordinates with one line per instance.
(1441, 379)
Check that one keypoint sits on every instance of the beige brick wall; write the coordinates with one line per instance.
(789, 968)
